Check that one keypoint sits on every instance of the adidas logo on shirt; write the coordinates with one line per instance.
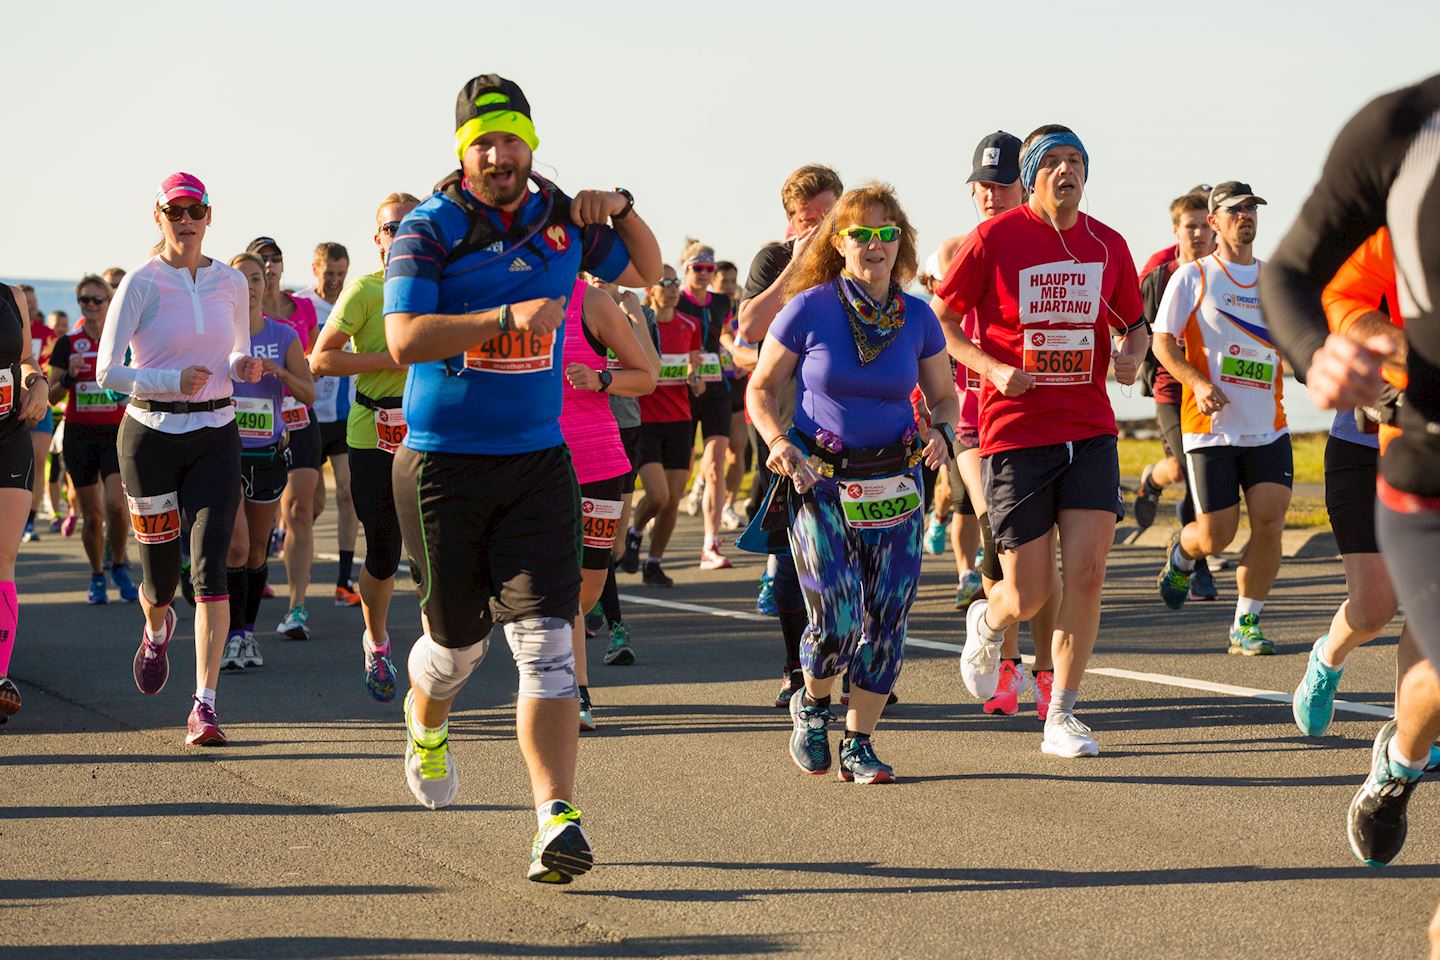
(518, 266)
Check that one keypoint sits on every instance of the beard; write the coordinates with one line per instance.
(500, 197)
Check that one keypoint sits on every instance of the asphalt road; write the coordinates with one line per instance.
(1207, 828)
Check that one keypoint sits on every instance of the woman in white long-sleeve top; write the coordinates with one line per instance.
(185, 320)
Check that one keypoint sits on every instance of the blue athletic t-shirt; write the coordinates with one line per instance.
(501, 397)
(257, 405)
(866, 405)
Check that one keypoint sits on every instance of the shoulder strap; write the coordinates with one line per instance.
(482, 233)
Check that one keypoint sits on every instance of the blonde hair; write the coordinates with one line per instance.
(822, 263)
(694, 247)
(395, 198)
(254, 258)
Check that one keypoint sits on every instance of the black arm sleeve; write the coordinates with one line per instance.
(766, 268)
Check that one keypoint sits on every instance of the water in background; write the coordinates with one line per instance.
(52, 294)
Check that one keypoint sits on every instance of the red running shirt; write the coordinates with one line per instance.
(671, 401)
(1046, 302)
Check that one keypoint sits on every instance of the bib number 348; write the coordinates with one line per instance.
(155, 519)
(876, 504)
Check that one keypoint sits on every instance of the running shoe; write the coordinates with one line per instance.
(695, 499)
(1173, 582)
(980, 660)
(268, 593)
(1044, 684)
(561, 850)
(29, 535)
(619, 653)
(67, 528)
(250, 651)
(809, 742)
(379, 675)
(1314, 702)
(345, 597)
(792, 681)
(1147, 500)
(1376, 822)
(969, 589)
(654, 576)
(234, 656)
(151, 667)
(1068, 737)
(594, 620)
(55, 523)
(296, 624)
(712, 559)
(98, 593)
(629, 561)
(277, 542)
(765, 599)
(729, 519)
(1248, 640)
(587, 711)
(1433, 764)
(187, 587)
(9, 699)
(120, 574)
(430, 771)
(859, 764)
(203, 727)
(1013, 684)
(1202, 582)
(936, 534)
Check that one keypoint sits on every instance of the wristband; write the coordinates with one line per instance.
(504, 318)
(629, 205)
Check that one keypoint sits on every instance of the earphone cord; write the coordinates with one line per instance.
(1126, 391)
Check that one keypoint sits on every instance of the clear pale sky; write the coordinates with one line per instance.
(300, 116)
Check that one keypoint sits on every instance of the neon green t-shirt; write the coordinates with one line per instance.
(360, 314)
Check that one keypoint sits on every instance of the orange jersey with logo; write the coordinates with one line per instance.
(1359, 287)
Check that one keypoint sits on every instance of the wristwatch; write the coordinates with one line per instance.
(629, 204)
(30, 380)
(948, 433)
(605, 377)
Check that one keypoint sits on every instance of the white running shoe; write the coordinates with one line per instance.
(1066, 736)
(729, 519)
(430, 771)
(695, 499)
(234, 656)
(250, 651)
(980, 660)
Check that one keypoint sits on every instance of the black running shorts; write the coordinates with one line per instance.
(304, 448)
(1350, 470)
(1219, 474)
(711, 410)
(1026, 489)
(90, 452)
(263, 474)
(332, 440)
(17, 460)
(672, 445)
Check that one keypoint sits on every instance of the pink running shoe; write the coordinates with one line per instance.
(151, 667)
(203, 727)
(1044, 681)
(1013, 684)
(712, 559)
(68, 527)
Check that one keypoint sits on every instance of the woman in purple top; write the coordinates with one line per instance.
(263, 462)
(857, 347)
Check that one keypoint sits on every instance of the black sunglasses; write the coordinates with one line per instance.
(269, 258)
(198, 211)
(390, 229)
(90, 301)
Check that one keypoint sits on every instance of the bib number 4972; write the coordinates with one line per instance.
(155, 519)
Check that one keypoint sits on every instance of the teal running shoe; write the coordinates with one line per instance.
(858, 763)
(1247, 639)
(809, 741)
(1173, 582)
(936, 534)
(765, 599)
(1376, 822)
(619, 653)
(1314, 701)
(969, 589)
(561, 850)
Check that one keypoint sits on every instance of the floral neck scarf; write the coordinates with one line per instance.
(873, 324)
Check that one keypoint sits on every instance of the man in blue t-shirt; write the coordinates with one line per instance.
(475, 291)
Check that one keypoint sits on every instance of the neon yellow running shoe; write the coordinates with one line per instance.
(429, 769)
(561, 851)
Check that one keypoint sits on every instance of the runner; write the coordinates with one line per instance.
(806, 196)
(1381, 172)
(737, 456)
(495, 514)
(330, 266)
(1232, 414)
(181, 321)
(595, 328)
(667, 432)
(1047, 431)
(262, 463)
(113, 276)
(359, 319)
(23, 403)
(994, 188)
(42, 432)
(848, 490)
(304, 451)
(92, 424)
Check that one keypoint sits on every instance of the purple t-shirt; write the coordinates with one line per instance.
(868, 406)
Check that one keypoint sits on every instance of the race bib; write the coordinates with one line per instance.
(295, 414)
(90, 397)
(1057, 358)
(1060, 292)
(389, 429)
(710, 368)
(674, 369)
(155, 519)
(518, 351)
(255, 416)
(1249, 365)
(878, 503)
(972, 380)
(599, 520)
(727, 365)
(612, 362)
(7, 391)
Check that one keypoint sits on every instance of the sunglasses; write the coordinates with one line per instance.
(269, 258)
(1239, 208)
(90, 301)
(863, 235)
(703, 267)
(390, 229)
(668, 282)
(198, 211)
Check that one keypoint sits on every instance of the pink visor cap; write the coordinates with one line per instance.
(181, 185)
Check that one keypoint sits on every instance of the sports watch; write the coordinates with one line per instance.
(947, 431)
(605, 377)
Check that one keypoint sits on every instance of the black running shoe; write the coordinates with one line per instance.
(792, 681)
(1376, 823)
(654, 576)
(630, 560)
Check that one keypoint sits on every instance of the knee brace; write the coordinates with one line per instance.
(439, 671)
(990, 564)
(544, 651)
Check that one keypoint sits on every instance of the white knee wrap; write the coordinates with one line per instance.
(439, 671)
(545, 653)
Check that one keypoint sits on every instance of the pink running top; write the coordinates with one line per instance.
(585, 418)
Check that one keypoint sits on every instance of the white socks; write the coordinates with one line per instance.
(206, 696)
(1245, 606)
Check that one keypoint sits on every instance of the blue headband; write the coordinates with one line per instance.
(1030, 165)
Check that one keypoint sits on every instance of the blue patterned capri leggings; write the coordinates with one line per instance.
(858, 587)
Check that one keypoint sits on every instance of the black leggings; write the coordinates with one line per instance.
(373, 493)
(197, 469)
(1167, 415)
(1409, 542)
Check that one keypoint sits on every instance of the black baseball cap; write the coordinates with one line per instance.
(997, 159)
(1232, 193)
(260, 243)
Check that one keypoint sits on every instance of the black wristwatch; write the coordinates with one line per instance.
(605, 377)
(629, 204)
(948, 433)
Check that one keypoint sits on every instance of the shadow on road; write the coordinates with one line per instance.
(217, 809)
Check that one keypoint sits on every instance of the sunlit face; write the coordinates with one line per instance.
(698, 276)
(497, 167)
(872, 262)
(274, 265)
(1194, 235)
(60, 323)
(94, 300)
(387, 224)
(1237, 224)
(994, 199)
(808, 215)
(330, 276)
(32, 305)
(254, 282)
(1061, 177)
(667, 295)
(185, 232)
(725, 283)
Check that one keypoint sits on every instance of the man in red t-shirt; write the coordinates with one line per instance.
(1050, 285)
